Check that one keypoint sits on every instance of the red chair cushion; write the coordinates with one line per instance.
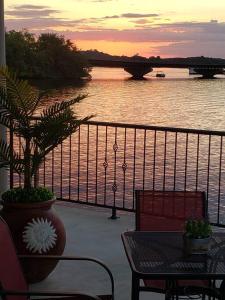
(167, 210)
(11, 276)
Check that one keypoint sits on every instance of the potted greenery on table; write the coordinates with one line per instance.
(35, 227)
(197, 236)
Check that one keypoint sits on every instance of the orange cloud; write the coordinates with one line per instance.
(124, 33)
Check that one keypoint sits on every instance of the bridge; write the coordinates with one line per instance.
(140, 68)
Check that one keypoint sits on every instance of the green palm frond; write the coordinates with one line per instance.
(9, 106)
(59, 128)
(57, 108)
(5, 119)
(19, 92)
(10, 157)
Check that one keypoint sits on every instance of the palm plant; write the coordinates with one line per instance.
(19, 102)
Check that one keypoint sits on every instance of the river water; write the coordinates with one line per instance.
(177, 100)
(104, 165)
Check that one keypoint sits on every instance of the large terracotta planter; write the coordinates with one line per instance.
(36, 229)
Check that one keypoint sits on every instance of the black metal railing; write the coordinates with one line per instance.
(103, 163)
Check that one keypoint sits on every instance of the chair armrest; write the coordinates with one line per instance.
(76, 296)
(74, 258)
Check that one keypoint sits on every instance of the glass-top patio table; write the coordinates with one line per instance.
(160, 255)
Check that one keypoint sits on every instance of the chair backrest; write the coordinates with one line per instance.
(11, 275)
(168, 210)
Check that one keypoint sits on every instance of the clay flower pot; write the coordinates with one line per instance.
(196, 245)
(37, 230)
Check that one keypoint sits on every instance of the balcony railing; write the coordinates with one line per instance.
(103, 163)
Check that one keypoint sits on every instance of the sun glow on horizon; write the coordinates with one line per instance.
(121, 48)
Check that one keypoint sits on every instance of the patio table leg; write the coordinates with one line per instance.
(135, 287)
(170, 288)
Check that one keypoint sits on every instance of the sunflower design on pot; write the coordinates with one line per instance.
(39, 235)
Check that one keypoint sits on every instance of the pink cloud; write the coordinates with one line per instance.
(182, 39)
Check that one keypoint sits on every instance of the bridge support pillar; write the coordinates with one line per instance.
(138, 71)
(209, 73)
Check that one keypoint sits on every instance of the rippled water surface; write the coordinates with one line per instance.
(103, 165)
(177, 100)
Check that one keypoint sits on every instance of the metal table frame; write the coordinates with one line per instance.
(137, 251)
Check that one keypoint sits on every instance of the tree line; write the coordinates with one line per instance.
(48, 56)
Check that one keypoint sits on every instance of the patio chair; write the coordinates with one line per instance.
(168, 211)
(13, 285)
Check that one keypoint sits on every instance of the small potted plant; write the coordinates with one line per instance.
(35, 228)
(197, 236)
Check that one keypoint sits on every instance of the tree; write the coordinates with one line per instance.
(20, 52)
(60, 57)
(50, 56)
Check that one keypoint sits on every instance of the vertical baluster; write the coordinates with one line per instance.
(154, 162)
(78, 165)
(208, 170)
(144, 159)
(20, 154)
(134, 165)
(44, 170)
(197, 163)
(70, 164)
(11, 143)
(124, 166)
(37, 176)
(114, 186)
(164, 160)
(61, 170)
(175, 163)
(185, 165)
(53, 169)
(96, 167)
(105, 164)
(219, 181)
(87, 158)
(164, 170)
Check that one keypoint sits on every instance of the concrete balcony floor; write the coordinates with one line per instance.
(90, 233)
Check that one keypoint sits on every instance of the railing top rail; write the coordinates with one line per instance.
(153, 127)
(157, 128)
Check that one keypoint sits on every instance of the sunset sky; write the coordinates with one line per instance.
(164, 27)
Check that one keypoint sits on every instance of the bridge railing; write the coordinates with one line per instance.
(103, 163)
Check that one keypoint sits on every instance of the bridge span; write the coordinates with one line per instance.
(140, 68)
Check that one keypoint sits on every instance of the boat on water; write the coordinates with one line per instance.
(160, 74)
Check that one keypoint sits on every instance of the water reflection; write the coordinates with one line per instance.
(57, 84)
(104, 165)
(176, 101)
